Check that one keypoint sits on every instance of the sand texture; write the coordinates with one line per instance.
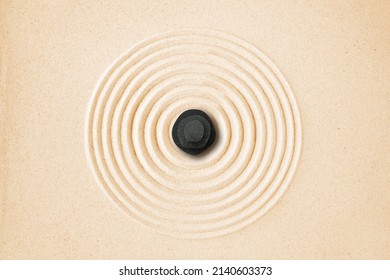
(136, 160)
(299, 95)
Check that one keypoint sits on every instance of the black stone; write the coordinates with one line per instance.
(193, 132)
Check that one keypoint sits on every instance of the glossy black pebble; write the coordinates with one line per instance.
(193, 132)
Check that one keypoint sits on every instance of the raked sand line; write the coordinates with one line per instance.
(132, 154)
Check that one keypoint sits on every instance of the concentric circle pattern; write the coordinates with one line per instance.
(132, 153)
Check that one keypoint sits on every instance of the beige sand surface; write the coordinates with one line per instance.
(335, 182)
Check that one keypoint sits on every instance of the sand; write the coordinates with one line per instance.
(299, 95)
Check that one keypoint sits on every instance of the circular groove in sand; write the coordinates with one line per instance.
(134, 158)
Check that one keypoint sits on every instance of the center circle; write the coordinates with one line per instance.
(193, 131)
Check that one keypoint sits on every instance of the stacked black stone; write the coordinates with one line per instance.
(193, 132)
